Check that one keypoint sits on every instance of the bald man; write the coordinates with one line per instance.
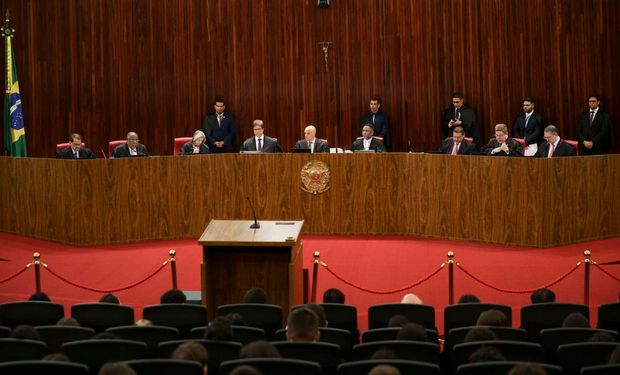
(132, 147)
(311, 142)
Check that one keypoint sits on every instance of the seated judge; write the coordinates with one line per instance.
(260, 142)
(457, 144)
(311, 142)
(368, 142)
(132, 147)
(75, 150)
(502, 145)
(197, 145)
(554, 146)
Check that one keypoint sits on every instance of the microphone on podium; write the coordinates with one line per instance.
(256, 225)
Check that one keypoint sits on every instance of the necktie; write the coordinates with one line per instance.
(455, 149)
(373, 119)
(551, 150)
(591, 117)
(310, 146)
(456, 113)
(75, 155)
(260, 146)
(527, 118)
(219, 120)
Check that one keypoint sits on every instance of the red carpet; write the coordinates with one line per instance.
(375, 263)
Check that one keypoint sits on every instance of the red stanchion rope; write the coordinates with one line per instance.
(521, 290)
(107, 290)
(15, 274)
(384, 291)
(605, 271)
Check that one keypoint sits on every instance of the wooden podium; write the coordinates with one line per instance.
(237, 258)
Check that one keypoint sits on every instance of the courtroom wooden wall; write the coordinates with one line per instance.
(102, 68)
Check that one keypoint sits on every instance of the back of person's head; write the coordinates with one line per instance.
(384, 370)
(493, 318)
(25, 332)
(320, 313)
(235, 319)
(68, 321)
(105, 336)
(39, 296)
(469, 298)
(384, 353)
(259, 349)
(116, 368)
(527, 369)
(245, 370)
(172, 296)
(397, 321)
(412, 332)
(614, 358)
(56, 356)
(602, 337)
(303, 325)
(255, 295)
(143, 323)
(575, 320)
(110, 298)
(486, 354)
(333, 295)
(191, 351)
(411, 298)
(480, 334)
(219, 329)
(542, 295)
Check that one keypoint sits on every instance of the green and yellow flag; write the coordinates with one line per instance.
(14, 132)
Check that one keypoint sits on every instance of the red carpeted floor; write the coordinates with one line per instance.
(375, 263)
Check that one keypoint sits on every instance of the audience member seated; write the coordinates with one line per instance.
(527, 369)
(468, 298)
(245, 370)
(172, 296)
(110, 298)
(486, 354)
(411, 298)
(320, 313)
(614, 358)
(56, 357)
(132, 147)
(384, 353)
(192, 351)
(303, 325)
(75, 150)
(68, 321)
(116, 368)
(384, 370)
(542, 296)
(259, 349)
(39, 296)
(602, 337)
(397, 321)
(480, 334)
(25, 332)
(333, 295)
(494, 318)
(196, 146)
(255, 295)
(219, 329)
(143, 323)
(576, 320)
(105, 336)
(235, 319)
(412, 332)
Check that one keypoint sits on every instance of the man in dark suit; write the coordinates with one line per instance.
(260, 142)
(593, 129)
(501, 144)
(311, 142)
(554, 146)
(75, 150)
(220, 129)
(132, 147)
(459, 114)
(457, 145)
(368, 141)
(529, 126)
(377, 118)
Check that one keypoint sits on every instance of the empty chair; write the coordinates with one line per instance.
(94, 353)
(259, 315)
(457, 335)
(552, 338)
(329, 356)
(34, 313)
(405, 367)
(181, 316)
(43, 367)
(547, 315)
(150, 335)
(241, 334)
(4, 332)
(21, 350)
(55, 336)
(609, 316)
(273, 366)
(512, 351)
(466, 314)
(601, 370)
(101, 316)
(500, 368)
(344, 317)
(408, 350)
(380, 315)
(573, 357)
(165, 367)
(218, 351)
(386, 334)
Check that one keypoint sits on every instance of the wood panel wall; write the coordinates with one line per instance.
(522, 201)
(102, 68)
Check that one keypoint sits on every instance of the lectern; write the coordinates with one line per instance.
(237, 258)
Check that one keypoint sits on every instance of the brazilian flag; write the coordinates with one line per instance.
(14, 132)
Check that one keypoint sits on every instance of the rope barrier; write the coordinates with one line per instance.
(16, 274)
(385, 291)
(107, 290)
(517, 291)
(605, 271)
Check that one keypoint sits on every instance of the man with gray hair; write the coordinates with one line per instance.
(502, 144)
(554, 146)
(260, 142)
(132, 147)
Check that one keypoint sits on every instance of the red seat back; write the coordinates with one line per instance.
(178, 143)
(113, 144)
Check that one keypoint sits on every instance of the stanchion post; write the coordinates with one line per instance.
(37, 271)
(173, 268)
(315, 275)
(450, 277)
(586, 276)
